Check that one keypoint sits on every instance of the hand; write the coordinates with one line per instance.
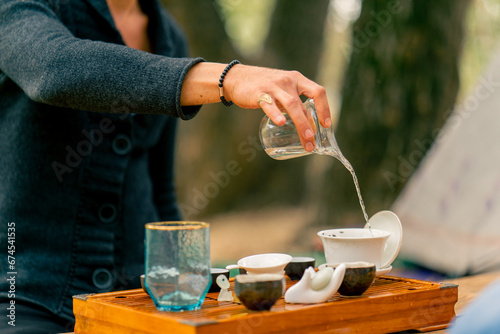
(244, 85)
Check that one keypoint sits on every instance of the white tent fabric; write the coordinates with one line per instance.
(450, 207)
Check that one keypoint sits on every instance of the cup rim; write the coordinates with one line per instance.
(242, 263)
(302, 259)
(256, 278)
(380, 234)
(354, 265)
(218, 271)
(176, 225)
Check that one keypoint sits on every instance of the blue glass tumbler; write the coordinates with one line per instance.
(177, 265)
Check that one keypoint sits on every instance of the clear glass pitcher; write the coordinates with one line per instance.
(283, 142)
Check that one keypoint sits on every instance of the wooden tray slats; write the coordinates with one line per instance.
(391, 304)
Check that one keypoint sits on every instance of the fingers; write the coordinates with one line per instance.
(249, 85)
(272, 110)
(303, 122)
(318, 94)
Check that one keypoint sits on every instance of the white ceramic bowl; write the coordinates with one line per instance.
(268, 263)
(353, 245)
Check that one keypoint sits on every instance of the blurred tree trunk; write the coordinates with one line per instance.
(400, 86)
(204, 29)
(220, 163)
(295, 42)
(202, 143)
(296, 36)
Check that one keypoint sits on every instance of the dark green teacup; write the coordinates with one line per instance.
(358, 277)
(295, 269)
(259, 292)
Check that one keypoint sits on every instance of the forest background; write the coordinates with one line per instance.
(393, 70)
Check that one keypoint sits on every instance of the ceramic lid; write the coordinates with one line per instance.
(388, 221)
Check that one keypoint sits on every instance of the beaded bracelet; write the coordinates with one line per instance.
(221, 80)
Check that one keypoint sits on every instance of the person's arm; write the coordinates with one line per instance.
(54, 67)
(244, 84)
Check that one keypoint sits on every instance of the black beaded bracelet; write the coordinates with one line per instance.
(221, 80)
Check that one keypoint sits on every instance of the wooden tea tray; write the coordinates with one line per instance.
(391, 304)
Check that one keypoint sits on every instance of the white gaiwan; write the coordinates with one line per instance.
(379, 245)
(316, 287)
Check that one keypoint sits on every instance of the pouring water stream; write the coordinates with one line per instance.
(282, 142)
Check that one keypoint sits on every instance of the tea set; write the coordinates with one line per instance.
(354, 257)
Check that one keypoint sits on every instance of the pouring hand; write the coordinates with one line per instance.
(244, 85)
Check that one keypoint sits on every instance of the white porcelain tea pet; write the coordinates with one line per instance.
(316, 287)
(224, 295)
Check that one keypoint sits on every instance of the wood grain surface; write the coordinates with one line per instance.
(391, 304)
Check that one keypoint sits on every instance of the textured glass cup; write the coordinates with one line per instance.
(283, 142)
(177, 264)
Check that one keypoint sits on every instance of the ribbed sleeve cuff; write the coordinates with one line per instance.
(186, 112)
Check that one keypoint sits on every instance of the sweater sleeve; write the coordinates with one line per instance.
(53, 66)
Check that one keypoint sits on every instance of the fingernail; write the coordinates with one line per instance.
(328, 122)
(280, 119)
(309, 147)
(308, 134)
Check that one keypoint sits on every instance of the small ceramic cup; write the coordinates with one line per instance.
(358, 277)
(295, 269)
(215, 272)
(269, 263)
(259, 292)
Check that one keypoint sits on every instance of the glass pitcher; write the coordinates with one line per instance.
(283, 142)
